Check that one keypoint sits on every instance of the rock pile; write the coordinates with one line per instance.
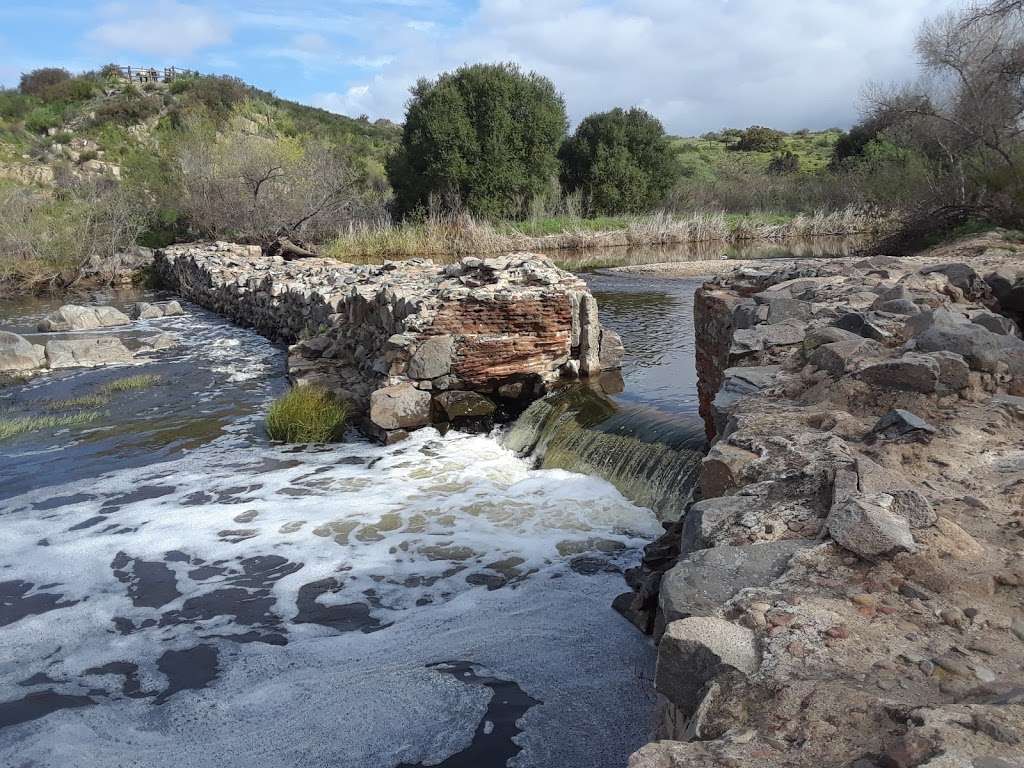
(408, 343)
(856, 561)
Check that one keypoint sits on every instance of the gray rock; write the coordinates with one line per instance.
(748, 313)
(433, 358)
(838, 358)
(781, 308)
(909, 373)
(954, 373)
(143, 311)
(866, 325)
(694, 651)
(456, 405)
(612, 352)
(982, 349)
(173, 309)
(590, 336)
(868, 525)
(19, 354)
(913, 507)
(899, 307)
(400, 407)
(764, 337)
(1008, 288)
(159, 341)
(704, 581)
(1003, 326)
(86, 353)
(107, 317)
(899, 424)
(963, 277)
(827, 335)
(706, 519)
(72, 317)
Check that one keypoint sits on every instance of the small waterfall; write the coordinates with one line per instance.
(651, 457)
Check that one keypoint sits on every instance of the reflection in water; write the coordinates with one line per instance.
(713, 250)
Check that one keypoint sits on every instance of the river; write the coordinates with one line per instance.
(176, 590)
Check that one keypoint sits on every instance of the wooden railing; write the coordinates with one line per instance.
(153, 75)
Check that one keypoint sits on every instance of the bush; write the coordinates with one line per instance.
(485, 137)
(73, 90)
(87, 155)
(128, 108)
(787, 162)
(41, 119)
(15, 105)
(620, 161)
(38, 81)
(307, 414)
(757, 138)
(217, 93)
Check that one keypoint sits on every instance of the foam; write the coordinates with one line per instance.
(408, 524)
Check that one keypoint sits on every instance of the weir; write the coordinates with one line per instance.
(651, 457)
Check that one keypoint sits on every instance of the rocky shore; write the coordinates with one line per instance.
(408, 343)
(849, 588)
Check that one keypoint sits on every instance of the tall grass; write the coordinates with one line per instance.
(307, 414)
(129, 384)
(464, 235)
(12, 426)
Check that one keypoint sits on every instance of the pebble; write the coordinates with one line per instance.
(953, 666)
(838, 632)
(864, 600)
(954, 617)
(926, 667)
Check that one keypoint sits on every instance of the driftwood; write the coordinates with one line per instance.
(288, 250)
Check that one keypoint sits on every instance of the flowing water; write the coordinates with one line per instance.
(176, 590)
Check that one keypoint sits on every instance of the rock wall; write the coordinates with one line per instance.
(849, 589)
(408, 343)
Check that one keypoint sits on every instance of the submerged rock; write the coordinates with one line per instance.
(89, 352)
(19, 354)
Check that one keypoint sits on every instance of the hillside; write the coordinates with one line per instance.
(705, 157)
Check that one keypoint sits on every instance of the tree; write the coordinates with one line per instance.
(484, 137)
(38, 81)
(620, 161)
(784, 163)
(757, 138)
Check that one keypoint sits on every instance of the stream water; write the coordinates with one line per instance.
(176, 590)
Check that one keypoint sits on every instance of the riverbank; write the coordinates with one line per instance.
(467, 236)
(856, 554)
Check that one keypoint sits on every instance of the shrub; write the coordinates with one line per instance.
(485, 137)
(87, 155)
(73, 90)
(38, 81)
(786, 162)
(757, 138)
(307, 414)
(42, 119)
(128, 108)
(620, 161)
(217, 93)
(15, 105)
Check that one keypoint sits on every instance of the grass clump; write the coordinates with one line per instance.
(77, 403)
(12, 426)
(128, 384)
(307, 414)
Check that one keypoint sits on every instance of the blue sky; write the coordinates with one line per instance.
(697, 64)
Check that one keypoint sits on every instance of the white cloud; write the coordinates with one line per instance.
(163, 28)
(697, 65)
(421, 26)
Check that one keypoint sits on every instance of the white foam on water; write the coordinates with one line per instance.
(407, 524)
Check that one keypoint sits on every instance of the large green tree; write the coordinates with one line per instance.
(484, 138)
(621, 162)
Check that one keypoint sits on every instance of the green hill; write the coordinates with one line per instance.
(704, 157)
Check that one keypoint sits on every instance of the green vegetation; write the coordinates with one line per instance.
(621, 162)
(307, 415)
(483, 138)
(129, 384)
(12, 426)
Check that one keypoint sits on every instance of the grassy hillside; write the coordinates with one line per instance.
(705, 157)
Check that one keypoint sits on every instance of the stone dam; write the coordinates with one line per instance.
(408, 343)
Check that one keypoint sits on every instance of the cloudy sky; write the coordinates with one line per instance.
(699, 65)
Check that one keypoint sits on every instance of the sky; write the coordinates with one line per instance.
(698, 65)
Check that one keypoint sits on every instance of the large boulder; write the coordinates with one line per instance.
(86, 353)
(19, 354)
(72, 317)
(704, 581)
(909, 373)
(400, 407)
(695, 651)
(870, 525)
(982, 349)
(433, 358)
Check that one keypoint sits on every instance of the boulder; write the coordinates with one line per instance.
(72, 317)
(963, 277)
(88, 352)
(612, 350)
(158, 342)
(911, 505)
(954, 373)
(401, 406)
(1003, 326)
(839, 357)
(869, 525)
(909, 373)
(982, 349)
(433, 358)
(1008, 288)
(704, 581)
(19, 354)
(458, 405)
(902, 425)
(173, 309)
(143, 311)
(866, 325)
(694, 651)
(706, 520)
(763, 337)
(827, 335)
